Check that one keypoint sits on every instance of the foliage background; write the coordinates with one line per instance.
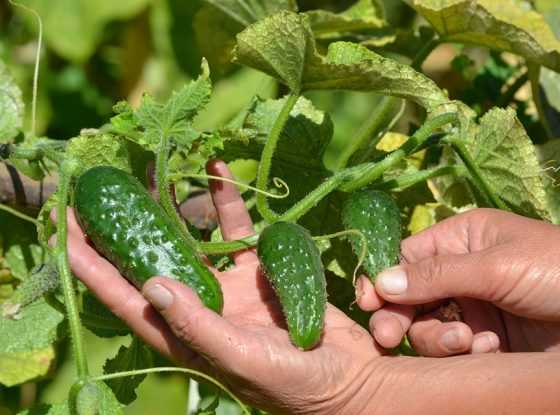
(99, 52)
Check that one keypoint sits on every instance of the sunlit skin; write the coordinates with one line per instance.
(248, 348)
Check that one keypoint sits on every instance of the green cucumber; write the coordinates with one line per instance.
(377, 216)
(132, 231)
(292, 263)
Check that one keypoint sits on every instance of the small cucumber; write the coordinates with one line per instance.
(377, 216)
(132, 231)
(292, 263)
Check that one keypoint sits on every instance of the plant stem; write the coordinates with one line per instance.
(509, 94)
(312, 199)
(19, 214)
(223, 248)
(173, 369)
(370, 130)
(61, 253)
(164, 193)
(409, 180)
(421, 57)
(266, 158)
(364, 174)
(461, 149)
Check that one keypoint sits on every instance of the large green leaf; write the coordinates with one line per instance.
(28, 340)
(284, 47)
(134, 357)
(298, 157)
(507, 25)
(246, 12)
(363, 16)
(11, 106)
(508, 161)
(74, 27)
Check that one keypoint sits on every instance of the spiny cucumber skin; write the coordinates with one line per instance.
(133, 232)
(377, 216)
(292, 263)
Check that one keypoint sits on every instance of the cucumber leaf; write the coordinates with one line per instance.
(284, 47)
(136, 356)
(248, 12)
(73, 28)
(26, 343)
(506, 25)
(508, 161)
(56, 409)
(298, 156)
(97, 398)
(11, 106)
(99, 149)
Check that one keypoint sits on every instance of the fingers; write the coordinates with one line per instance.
(390, 324)
(366, 296)
(203, 330)
(432, 338)
(235, 221)
(123, 299)
(475, 275)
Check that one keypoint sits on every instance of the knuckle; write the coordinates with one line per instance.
(186, 326)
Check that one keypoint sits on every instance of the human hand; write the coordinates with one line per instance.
(503, 270)
(247, 348)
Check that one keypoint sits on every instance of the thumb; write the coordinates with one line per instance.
(473, 275)
(200, 328)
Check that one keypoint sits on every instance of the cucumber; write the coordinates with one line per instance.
(377, 216)
(132, 231)
(292, 263)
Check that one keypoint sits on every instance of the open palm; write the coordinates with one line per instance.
(247, 347)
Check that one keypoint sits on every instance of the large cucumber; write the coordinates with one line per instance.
(292, 263)
(377, 216)
(131, 230)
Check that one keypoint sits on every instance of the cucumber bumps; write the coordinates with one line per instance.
(377, 216)
(292, 263)
(133, 232)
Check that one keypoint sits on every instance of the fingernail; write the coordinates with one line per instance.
(158, 296)
(485, 344)
(393, 281)
(452, 340)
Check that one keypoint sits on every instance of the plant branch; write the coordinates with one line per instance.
(19, 214)
(370, 131)
(408, 180)
(162, 185)
(173, 369)
(266, 158)
(423, 54)
(61, 253)
(362, 175)
(223, 248)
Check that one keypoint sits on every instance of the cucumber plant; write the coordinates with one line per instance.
(418, 154)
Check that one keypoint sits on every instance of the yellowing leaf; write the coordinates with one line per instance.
(507, 25)
(391, 141)
(17, 368)
(508, 161)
